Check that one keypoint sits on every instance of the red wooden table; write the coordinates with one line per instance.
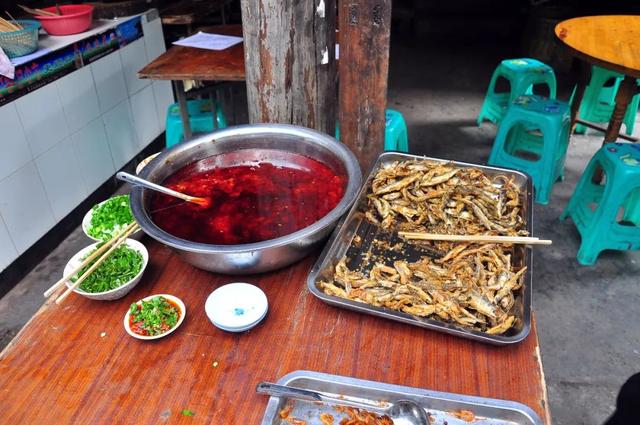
(74, 363)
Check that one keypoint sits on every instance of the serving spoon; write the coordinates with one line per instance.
(403, 412)
(137, 181)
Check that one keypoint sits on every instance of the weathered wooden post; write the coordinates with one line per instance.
(363, 70)
(290, 65)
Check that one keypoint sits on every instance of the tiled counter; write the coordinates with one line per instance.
(62, 141)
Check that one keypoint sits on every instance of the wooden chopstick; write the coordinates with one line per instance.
(37, 11)
(15, 22)
(9, 26)
(88, 260)
(476, 238)
(98, 262)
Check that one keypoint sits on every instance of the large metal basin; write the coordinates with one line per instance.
(249, 144)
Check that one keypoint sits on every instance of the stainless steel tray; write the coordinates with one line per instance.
(340, 244)
(439, 405)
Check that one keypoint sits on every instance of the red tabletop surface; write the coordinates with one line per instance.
(190, 63)
(74, 363)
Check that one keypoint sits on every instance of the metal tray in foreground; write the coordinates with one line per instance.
(342, 243)
(440, 406)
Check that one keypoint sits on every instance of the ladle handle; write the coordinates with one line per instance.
(290, 392)
(300, 394)
(137, 181)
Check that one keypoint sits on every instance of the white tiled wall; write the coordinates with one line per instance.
(42, 119)
(15, 149)
(62, 141)
(79, 98)
(134, 58)
(145, 119)
(109, 81)
(123, 142)
(164, 97)
(60, 172)
(154, 40)
(93, 154)
(8, 251)
(24, 207)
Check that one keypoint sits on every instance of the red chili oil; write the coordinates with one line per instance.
(248, 203)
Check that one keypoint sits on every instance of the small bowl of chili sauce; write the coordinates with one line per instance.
(164, 312)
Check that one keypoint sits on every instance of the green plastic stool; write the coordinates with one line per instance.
(522, 75)
(200, 120)
(599, 101)
(533, 138)
(395, 132)
(594, 208)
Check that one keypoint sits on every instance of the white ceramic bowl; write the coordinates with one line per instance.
(118, 292)
(145, 161)
(236, 307)
(86, 223)
(176, 300)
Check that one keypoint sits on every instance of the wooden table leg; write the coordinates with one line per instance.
(232, 105)
(583, 80)
(184, 112)
(626, 91)
(214, 108)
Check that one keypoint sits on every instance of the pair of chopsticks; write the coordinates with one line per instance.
(40, 11)
(522, 240)
(103, 252)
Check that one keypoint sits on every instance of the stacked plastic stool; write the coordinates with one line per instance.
(533, 138)
(522, 75)
(598, 101)
(200, 119)
(595, 208)
(395, 132)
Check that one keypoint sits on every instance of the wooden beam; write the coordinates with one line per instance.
(289, 61)
(363, 70)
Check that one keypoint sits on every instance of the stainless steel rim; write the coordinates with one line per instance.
(348, 159)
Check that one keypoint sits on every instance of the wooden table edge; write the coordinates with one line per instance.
(592, 59)
(185, 77)
(543, 381)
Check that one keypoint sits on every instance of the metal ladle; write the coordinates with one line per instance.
(137, 181)
(403, 412)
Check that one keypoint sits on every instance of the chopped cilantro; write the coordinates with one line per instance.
(111, 216)
(119, 268)
(187, 412)
(154, 316)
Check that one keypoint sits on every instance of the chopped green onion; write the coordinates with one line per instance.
(110, 217)
(122, 265)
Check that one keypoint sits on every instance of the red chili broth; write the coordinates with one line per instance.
(249, 203)
(136, 327)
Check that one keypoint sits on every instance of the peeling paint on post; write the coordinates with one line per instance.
(287, 81)
(363, 70)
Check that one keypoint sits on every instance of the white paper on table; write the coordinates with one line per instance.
(203, 40)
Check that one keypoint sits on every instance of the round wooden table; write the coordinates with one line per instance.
(611, 42)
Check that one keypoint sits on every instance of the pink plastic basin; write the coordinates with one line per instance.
(75, 18)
